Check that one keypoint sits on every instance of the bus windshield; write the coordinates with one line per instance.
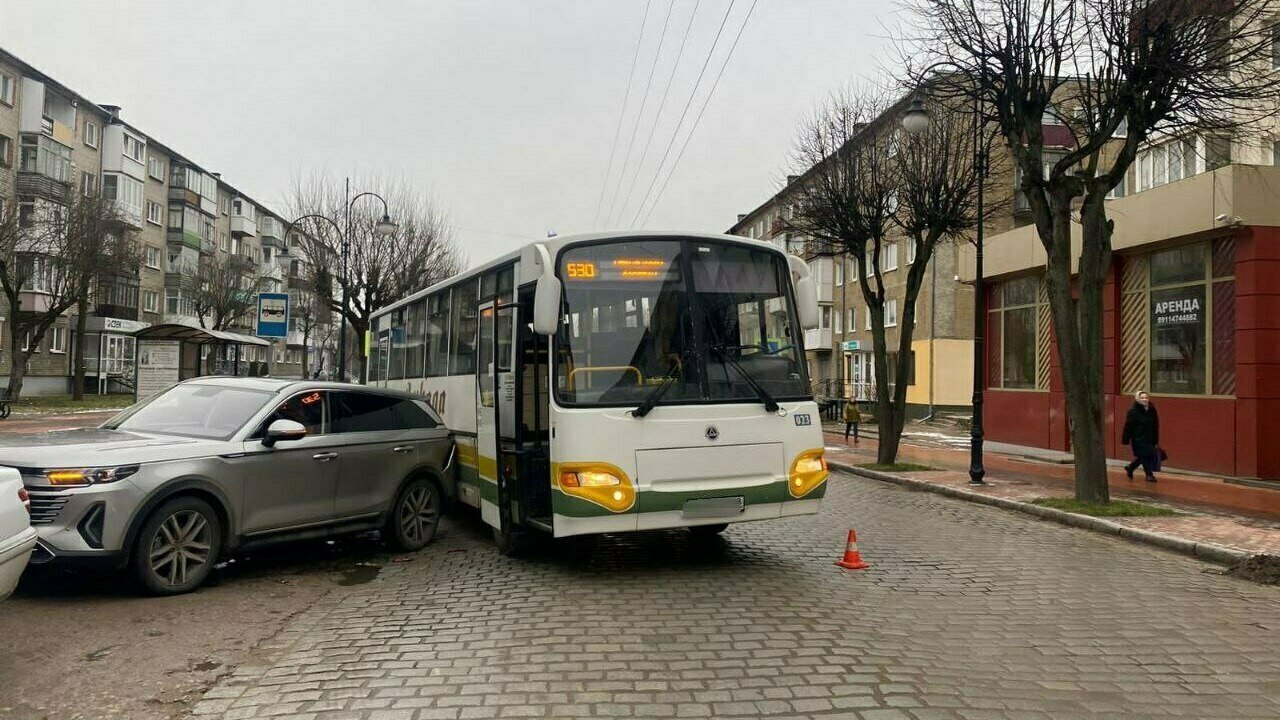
(709, 322)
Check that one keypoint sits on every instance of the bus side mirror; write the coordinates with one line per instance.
(806, 293)
(546, 297)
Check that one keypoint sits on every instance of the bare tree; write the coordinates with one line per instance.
(1116, 73)
(866, 185)
(50, 256)
(225, 290)
(381, 269)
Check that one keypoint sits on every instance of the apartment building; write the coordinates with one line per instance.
(54, 142)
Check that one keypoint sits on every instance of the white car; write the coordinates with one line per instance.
(17, 537)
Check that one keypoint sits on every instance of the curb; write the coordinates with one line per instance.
(1209, 552)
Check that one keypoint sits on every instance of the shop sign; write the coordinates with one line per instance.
(1171, 312)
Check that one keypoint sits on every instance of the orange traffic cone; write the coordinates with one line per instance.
(852, 560)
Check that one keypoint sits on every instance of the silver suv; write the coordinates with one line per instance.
(215, 465)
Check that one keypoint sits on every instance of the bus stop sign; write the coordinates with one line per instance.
(273, 315)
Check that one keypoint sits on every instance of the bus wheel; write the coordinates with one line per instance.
(708, 530)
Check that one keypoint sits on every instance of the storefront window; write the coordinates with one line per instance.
(1014, 345)
(1191, 310)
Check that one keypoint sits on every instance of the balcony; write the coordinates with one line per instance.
(45, 168)
(818, 340)
(298, 283)
(184, 195)
(271, 231)
(242, 226)
(188, 238)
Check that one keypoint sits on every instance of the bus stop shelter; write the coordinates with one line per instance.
(171, 352)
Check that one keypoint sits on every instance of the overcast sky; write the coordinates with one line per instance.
(505, 112)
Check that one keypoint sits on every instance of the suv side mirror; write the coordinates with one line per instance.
(284, 430)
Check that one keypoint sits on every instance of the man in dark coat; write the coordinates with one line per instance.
(1142, 434)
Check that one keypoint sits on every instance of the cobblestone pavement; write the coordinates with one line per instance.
(968, 612)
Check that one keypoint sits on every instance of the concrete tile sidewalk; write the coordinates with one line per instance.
(1021, 480)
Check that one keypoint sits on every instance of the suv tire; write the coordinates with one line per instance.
(177, 546)
(415, 515)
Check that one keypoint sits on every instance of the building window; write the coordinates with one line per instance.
(853, 319)
(26, 343)
(91, 133)
(155, 213)
(150, 300)
(1017, 337)
(6, 151)
(133, 148)
(8, 87)
(825, 320)
(155, 167)
(88, 184)
(153, 257)
(911, 251)
(1275, 46)
(1181, 306)
(891, 312)
(838, 266)
(889, 257)
(44, 155)
(836, 325)
(58, 340)
(868, 317)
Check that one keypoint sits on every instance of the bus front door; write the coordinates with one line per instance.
(496, 421)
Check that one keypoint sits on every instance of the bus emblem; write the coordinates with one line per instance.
(712, 432)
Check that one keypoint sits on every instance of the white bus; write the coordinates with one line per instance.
(615, 382)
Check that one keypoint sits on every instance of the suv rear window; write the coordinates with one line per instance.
(371, 412)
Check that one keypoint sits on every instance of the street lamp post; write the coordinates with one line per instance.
(916, 121)
(385, 227)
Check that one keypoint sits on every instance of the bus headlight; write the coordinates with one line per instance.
(807, 472)
(599, 483)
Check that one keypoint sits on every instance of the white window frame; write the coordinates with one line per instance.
(150, 301)
(8, 89)
(153, 163)
(148, 257)
(159, 213)
(91, 137)
(838, 270)
(58, 340)
(868, 314)
(889, 257)
(853, 319)
(911, 251)
(837, 324)
(891, 312)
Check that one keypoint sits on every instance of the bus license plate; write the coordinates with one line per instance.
(715, 507)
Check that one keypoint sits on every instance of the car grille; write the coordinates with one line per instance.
(46, 504)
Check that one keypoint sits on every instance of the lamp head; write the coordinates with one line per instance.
(386, 226)
(916, 119)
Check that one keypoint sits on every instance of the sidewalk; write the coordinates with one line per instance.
(1242, 518)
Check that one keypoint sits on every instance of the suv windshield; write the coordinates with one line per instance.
(683, 312)
(203, 411)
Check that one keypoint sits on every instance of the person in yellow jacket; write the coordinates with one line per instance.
(851, 419)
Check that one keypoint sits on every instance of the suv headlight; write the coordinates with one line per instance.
(89, 476)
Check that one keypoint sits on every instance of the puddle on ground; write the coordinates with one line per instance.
(360, 574)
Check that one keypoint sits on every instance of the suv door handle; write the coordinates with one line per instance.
(402, 448)
(324, 456)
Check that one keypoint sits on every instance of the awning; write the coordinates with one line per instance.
(196, 334)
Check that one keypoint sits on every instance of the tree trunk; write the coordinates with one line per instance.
(17, 364)
(306, 337)
(886, 410)
(77, 356)
(1078, 329)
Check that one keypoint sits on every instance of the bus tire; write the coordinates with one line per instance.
(708, 530)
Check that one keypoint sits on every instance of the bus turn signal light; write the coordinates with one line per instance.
(599, 483)
(807, 472)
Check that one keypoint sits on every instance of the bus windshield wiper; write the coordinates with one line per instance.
(656, 394)
(770, 404)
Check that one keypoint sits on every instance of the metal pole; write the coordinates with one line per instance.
(342, 327)
(976, 469)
